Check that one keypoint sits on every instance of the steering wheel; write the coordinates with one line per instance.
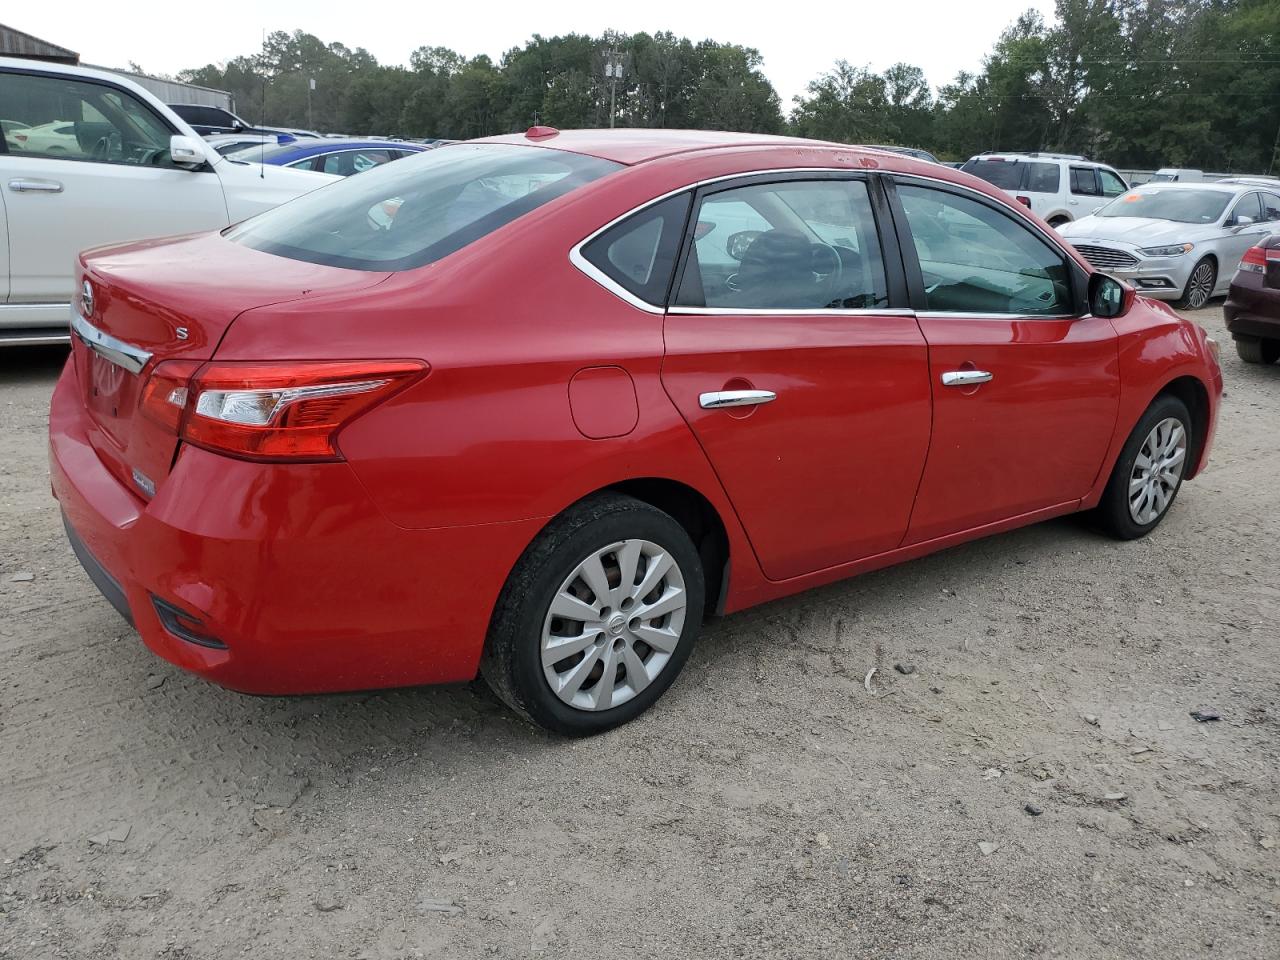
(828, 273)
(101, 149)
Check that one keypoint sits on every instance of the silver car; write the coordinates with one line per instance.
(1177, 241)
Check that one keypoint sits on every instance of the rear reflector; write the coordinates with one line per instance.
(271, 411)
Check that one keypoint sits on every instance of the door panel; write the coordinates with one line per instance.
(4, 250)
(997, 302)
(89, 167)
(793, 300)
(1033, 436)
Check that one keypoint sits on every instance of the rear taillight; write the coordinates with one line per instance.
(270, 411)
(1025, 201)
(1254, 260)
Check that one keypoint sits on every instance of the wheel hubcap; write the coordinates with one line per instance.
(1201, 285)
(613, 625)
(1157, 471)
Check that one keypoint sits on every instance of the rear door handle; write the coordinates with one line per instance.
(735, 398)
(35, 186)
(965, 378)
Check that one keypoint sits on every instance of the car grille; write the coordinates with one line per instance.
(1105, 258)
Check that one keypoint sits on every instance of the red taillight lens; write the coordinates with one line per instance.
(271, 411)
(1254, 260)
(1025, 201)
(165, 394)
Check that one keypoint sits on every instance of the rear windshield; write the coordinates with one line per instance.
(1016, 174)
(407, 214)
(1181, 206)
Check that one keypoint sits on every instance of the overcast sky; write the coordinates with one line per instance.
(798, 41)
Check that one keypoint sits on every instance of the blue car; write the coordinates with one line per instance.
(341, 157)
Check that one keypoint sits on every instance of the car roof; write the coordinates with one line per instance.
(1201, 185)
(634, 145)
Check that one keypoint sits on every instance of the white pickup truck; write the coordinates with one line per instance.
(89, 158)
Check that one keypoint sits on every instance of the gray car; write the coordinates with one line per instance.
(1177, 241)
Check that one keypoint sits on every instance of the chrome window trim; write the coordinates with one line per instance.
(676, 311)
(123, 354)
(992, 315)
(590, 269)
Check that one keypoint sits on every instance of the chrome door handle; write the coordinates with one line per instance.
(735, 398)
(35, 186)
(965, 378)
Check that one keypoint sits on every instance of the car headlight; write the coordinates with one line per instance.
(1173, 250)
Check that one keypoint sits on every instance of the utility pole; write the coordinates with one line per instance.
(613, 69)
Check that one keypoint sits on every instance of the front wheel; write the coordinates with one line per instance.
(597, 618)
(1199, 288)
(1258, 349)
(1148, 474)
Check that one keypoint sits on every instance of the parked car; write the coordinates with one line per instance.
(102, 161)
(339, 157)
(906, 151)
(1252, 310)
(227, 143)
(211, 121)
(1059, 187)
(553, 405)
(1176, 175)
(1177, 241)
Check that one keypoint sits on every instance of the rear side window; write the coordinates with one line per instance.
(400, 216)
(1043, 178)
(1084, 181)
(640, 253)
(1005, 174)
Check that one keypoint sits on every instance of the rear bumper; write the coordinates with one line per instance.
(1252, 309)
(285, 578)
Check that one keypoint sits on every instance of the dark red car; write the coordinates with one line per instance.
(1252, 310)
(534, 406)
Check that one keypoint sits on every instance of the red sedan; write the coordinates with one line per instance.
(534, 406)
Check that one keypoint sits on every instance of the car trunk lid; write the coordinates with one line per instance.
(143, 304)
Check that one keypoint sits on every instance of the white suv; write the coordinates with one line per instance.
(89, 158)
(1059, 187)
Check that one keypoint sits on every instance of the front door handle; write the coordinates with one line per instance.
(965, 378)
(35, 186)
(735, 398)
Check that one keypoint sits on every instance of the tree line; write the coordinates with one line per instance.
(1139, 83)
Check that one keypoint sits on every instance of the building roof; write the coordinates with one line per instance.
(15, 43)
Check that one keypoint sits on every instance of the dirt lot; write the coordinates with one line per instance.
(769, 806)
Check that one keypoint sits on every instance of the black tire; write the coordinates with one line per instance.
(1056, 222)
(1258, 349)
(512, 661)
(1113, 513)
(1194, 294)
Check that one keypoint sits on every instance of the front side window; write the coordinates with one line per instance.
(1112, 186)
(1084, 181)
(640, 253)
(347, 162)
(401, 216)
(796, 245)
(1247, 207)
(1270, 207)
(65, 119)
(975, 259)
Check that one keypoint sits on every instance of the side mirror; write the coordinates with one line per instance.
(1108, 297)
(186, 152)
(1242, 221)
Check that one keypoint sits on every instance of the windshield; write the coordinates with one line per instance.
(1180, 206)
(407, 214)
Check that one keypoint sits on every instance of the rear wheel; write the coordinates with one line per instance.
(597, 618)
(1258, 349)
(1148, 474)
(1056, 222)
(1199, 288)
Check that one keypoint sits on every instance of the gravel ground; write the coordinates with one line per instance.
(769, 806)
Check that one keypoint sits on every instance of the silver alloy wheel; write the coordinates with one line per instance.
(1200, 286)
(1157, 471)
(613, 624)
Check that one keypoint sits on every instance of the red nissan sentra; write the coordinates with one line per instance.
(533, 407)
